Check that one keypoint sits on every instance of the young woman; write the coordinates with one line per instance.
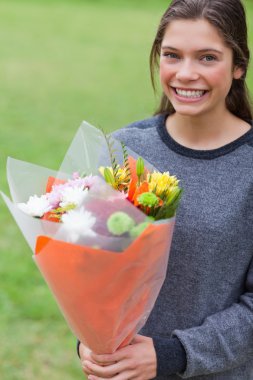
(202, 324)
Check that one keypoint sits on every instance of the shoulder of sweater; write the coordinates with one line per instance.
(141, 125)
(150, 122)
(250, 142)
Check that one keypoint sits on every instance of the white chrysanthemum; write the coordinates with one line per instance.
(73, 195)
(78, 223)
(36, 206)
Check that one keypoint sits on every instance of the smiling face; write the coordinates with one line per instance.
(196, 67)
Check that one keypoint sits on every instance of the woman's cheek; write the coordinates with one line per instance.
(220, 77)
(165, 75)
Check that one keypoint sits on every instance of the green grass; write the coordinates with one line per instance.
(65, 62)
(61, 62)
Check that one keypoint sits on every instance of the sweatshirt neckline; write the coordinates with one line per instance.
(200, 154)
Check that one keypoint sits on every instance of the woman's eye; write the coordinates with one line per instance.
(208, 58)
(170, 55)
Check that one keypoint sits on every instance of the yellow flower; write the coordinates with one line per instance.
(162, 183)
(122, 175)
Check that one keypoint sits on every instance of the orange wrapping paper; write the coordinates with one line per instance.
(106, 296)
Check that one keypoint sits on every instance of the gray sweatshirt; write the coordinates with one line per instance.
(206, 302)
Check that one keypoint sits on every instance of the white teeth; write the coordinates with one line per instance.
(190, 94)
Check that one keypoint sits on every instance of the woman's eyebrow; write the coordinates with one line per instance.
(169, 47)
(210, 49)
(205, 50)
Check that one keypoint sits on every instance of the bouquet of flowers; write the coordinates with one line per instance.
(100, 234)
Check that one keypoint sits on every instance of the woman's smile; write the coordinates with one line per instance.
(188, 95)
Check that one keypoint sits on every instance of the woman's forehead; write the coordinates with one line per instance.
(194, 34)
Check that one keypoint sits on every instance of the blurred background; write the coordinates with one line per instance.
(61, 62)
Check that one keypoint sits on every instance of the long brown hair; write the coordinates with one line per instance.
(229, 19)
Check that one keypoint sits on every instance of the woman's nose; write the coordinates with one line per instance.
(187, 71)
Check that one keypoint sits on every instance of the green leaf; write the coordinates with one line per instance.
(112, 151)
(126, 162)
(168, 210)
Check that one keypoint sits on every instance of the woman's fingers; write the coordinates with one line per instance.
(110, 358)
(136, 361)
(108, 371)
(128, 375)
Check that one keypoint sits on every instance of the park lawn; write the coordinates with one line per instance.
(61, 62)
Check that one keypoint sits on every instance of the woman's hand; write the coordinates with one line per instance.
(136, 361)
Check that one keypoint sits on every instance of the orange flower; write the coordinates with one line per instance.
(50, 216)
(53, 181)
(135, 191)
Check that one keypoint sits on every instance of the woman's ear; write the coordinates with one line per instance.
(238, 72)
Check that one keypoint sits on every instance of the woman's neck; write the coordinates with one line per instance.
(205, 133)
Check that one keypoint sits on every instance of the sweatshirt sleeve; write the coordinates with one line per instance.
(171, 356)
(224, 340)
